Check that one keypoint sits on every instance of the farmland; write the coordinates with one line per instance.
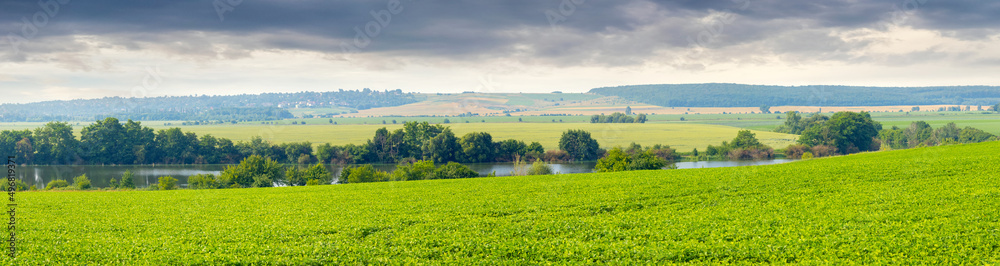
(927, 206)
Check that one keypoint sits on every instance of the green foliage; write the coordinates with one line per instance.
(453, 170)
(262, 180)
(204, 181)
(617, 160)
(849, 132)
(18, 185)
(478, 147)
(539, 167)
(363, 174)
(579, 145)
(113, 183)
(618, 118)
(419, 170)
(873, 208)
(312, 182)
(81, 182)
(252, 172)
(167, 183)
(295, 176)
(807, 155)
(127, 181)
(58, 183)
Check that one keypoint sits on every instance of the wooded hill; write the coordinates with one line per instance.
(246, 107)
(742, 95)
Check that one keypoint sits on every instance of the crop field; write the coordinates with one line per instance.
(681, 136)
(923, 206)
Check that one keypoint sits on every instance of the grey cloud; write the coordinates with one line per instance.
(597, 32)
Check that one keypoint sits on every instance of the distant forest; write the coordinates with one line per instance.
(244, 107)
(740, 95)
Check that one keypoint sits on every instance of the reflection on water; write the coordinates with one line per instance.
(145, 175)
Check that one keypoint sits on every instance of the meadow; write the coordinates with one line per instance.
(932, 205)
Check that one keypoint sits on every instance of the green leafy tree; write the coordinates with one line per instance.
(443, 148)
(539, 167)
(113, 183)
(419, 170)
(478, 147)
(363, 174)
(615, 161)
(55, 144)
(203, 181)
(253, 169)
(579, 145)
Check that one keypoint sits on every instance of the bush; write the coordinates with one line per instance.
(81, 182)
(127, 180)
(246, 173)
(363, 174)
(557, 156)
(112, 184)
(203, 181)
(419, 170)
(18, 185)
(823, 150)
(807, 156)
(312, 182)
(58, 183)
(540, 168)
(454, 170)
(167, 183)
(262, 180)
(615, 161)
(796, 151)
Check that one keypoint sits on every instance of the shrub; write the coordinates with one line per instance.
(112, 184)
(312, 182)
(262, 180)
(167, 183)
(557, 156)
(454, 170)
(246, 173)
(807, 156)
(127, 180)
(81, 182)
(33, 188)
(419, 170)
(58, 183)
(363, 174)
(18, 185)
(203, 181)
(540, 168)
(796, 151)
(615, 161)
(823, 150)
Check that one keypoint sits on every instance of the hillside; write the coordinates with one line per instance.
(742, 95)
(923, 206)
(252, 107)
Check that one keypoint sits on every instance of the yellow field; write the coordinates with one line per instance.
(682, 136)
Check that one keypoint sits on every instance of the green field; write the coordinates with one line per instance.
(681, 136)
(933, 205)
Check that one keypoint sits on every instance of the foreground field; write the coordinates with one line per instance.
(681, 136)
(923, 206)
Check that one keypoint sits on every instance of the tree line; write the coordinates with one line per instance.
(109, 141)
(617, 117)
(741, 95)
(850, 132)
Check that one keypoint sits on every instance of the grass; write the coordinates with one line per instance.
(921, 206)
(681, 136)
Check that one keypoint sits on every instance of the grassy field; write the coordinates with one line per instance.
(681, 136)
(921, 206)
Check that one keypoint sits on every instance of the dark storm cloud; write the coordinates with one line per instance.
(619, 32)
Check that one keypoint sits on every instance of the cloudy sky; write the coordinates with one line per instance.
(68, 49)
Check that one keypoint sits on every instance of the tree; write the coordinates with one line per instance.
(363, 174)
(764, 109)
(478, 147)
(508, 149)
(102, 142)
(443, 148)
(628, 110)
(615, 161)
(250, 170)
(579, 145)
(55, 144)
(848, 132)
(640, 118)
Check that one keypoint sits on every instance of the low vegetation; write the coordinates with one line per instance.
(878, 208)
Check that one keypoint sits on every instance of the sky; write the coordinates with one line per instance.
(71, 49)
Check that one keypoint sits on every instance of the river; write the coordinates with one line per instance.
(145, 175)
